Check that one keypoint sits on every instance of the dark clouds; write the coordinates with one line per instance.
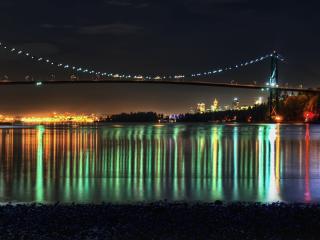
(168, 36)
(127, 3)
(106, 29)
(113, 29)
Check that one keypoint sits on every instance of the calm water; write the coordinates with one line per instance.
(126, 163)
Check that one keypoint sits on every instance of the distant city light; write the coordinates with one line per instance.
(259, 101)
(201, 108)
(55, 118)
(63, 118)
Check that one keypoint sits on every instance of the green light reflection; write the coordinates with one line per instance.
(39, 175)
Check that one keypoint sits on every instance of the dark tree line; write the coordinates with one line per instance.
(134, 117)
(254, 114)
(292, 108)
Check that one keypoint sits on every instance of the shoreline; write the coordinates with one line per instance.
(152, 123)
(161, 220)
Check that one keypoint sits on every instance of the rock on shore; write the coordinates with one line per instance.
(160, 220)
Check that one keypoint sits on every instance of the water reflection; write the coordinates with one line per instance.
(121, 163)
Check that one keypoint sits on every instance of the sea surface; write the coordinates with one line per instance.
(122, 163)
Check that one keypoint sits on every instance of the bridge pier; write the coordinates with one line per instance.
(274, 91)
(274, 104)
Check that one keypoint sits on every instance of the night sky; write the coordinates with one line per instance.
(153, 37)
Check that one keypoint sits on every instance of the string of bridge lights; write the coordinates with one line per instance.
(89, 71)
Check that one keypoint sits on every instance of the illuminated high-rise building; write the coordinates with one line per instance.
(236, 104)
(215, 106)
(201, 108)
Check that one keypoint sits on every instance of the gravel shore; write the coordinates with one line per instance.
(161, 220)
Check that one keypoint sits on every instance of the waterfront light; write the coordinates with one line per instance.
(278, 118)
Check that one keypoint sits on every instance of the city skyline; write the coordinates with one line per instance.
(208, 107)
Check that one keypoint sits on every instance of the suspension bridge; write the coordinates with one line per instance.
(273, 87)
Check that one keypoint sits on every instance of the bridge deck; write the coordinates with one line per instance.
(174, 82)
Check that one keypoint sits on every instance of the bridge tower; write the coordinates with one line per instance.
(273, 83)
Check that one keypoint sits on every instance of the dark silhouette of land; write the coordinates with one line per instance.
(255, 114)
(293, 108)
(161, 220)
